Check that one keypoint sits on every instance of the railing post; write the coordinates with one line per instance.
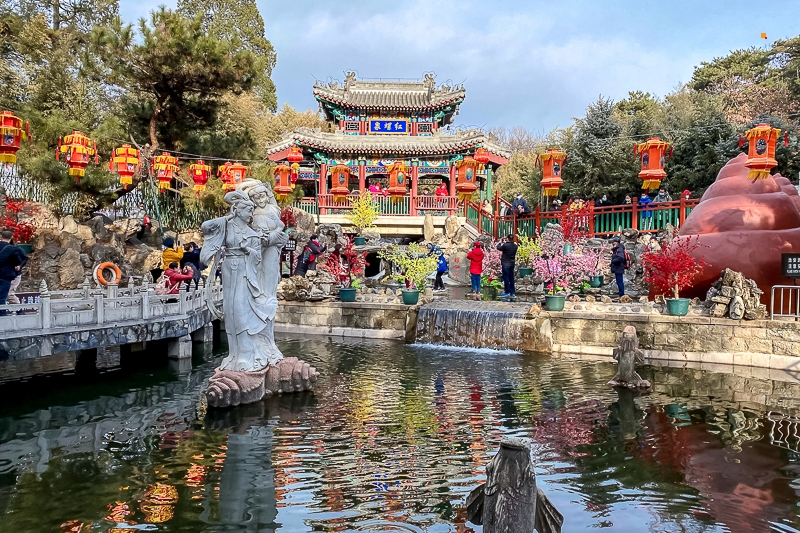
(99, 308)
(591, 219)
(86, 286)
(45, 311)
(682, 214)
(145, 300)
(537, 216)
(480, 221)
(634, 215)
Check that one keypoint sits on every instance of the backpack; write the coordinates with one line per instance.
(628, 262)
(163, 287)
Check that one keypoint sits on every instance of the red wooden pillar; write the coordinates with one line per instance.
(322, 185)
(634, 215)
(496, 214)
(414, 187)
(453, 187)
(362, 176)
(537, 216)
(480, 218)
(591, 219)
(682, 214)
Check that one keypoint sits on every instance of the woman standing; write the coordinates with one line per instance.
(475, 257)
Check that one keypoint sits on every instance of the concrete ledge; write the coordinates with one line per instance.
(331, 331)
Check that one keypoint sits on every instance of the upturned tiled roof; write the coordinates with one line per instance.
(390, 95)
(437, 144)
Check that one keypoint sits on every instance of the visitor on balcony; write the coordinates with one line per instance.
(646, 212)
(555, 205)
(175, 275)
(191, 257)
(602, 201)
(171, 254)
(308, 259)
(619, 260)
(508, 258)
(662, 196)
(475, 257)
(520, 206)
(442, 192)
(686, 195)
(628, 199)
(486, 207)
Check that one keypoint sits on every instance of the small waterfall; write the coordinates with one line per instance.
(471, 326)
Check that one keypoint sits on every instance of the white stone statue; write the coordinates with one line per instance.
(250, 257)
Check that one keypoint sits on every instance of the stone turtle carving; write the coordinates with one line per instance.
(628, 355)
(510, 501)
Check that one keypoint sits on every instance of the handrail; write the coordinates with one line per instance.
(789, 301)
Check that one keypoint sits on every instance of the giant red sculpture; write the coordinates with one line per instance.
(745, 225)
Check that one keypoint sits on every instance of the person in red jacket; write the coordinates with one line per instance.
(176, 276)
(475, 257)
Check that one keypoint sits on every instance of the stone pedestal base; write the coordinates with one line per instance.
(228, 389)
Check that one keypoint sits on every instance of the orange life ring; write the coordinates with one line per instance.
(101, 279)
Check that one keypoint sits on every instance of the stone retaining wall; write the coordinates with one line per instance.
(357, 319)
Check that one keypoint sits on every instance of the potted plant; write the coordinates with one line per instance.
(671, 269)
(592, 257)
(490, 285)
(528, 248)
(416, 264)
(559, 271)
(344, 263)
(363, 215)
(23, 231)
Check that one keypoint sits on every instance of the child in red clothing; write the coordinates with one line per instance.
(475, 257)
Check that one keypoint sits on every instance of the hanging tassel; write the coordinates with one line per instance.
(670, 151)
(635, 149)
(786, 138)
(564, 162)
(741, 141)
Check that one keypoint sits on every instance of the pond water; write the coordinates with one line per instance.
(393, 439)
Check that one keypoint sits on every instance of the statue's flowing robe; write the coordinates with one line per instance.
(248, 309)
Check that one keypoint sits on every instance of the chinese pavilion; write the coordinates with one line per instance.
(379, 126)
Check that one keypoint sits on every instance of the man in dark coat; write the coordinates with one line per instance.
(507, 260)
(308, 259)
(618, 263)
(11, 260)
(520, 205)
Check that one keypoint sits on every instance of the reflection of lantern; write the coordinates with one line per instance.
(340, 176)
(398, 180)
(199, 172)
(165, 166)
(481, 156)
(283, 187)
(11, 135)
(552, 163)
(77, 149)
(124, 161)
(232, 174)
(466, 181)
(652, 154)
(761, 154)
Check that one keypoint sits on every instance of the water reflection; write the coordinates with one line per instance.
(393, 439)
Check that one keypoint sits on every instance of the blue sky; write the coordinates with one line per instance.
(524, 63)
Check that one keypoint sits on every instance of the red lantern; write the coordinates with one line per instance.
(165, 167)
(78, 150)
(340, 176)
(232, 174)
(11, 135)
(199, 172)
(283, 186)
(398, 180)
(481, 156)
(466, 178)
(124, 161)
(761, 153)
(295, 157)
(552, 162)
(651, 154)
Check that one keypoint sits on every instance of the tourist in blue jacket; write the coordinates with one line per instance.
(438, 284)
(618, 263)
(12, 258)
(646, 213)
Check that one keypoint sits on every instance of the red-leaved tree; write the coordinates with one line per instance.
(673, 267)
(575, 222)
(289, 217)
(23, 231)
(345, 263)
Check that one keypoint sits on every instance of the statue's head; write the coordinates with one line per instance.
(241, 205)
(259, 193)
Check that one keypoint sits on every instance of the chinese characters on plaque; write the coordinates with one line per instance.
(388, 126)
(791, 265)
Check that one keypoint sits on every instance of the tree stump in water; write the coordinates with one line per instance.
(509, 501)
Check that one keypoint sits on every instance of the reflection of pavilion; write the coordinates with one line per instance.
(376, 123)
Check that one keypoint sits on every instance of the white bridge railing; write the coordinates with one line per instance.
(92, 306)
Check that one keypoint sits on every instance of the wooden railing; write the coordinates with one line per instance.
(601, 221)
(89, 306)
(326, 204)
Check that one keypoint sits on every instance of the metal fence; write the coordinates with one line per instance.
(784, 301)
